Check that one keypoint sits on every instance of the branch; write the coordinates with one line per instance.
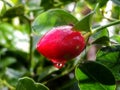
(105, 26)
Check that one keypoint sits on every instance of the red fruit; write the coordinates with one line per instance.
(61, 44)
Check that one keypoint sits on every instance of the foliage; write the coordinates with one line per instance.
(23, 22)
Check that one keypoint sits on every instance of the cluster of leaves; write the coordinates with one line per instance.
(24, 69)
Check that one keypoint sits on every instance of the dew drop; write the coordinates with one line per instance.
(59, 65)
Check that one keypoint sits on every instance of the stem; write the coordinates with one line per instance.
(65, 72)
(105, 26)
(86, 36)
(31, 44)
(29, 20)
(4, 82)
(30, 48)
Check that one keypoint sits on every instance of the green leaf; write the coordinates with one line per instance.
(6, 34)
(47, 71)
(26, 83)
(110, 57)
(84, 23)
(71, 85)
(103, 40)
(12, 75)
(2, 11)
(32, 3)
(52, 18)
(7, 61)
(94, 76)
(102, 2)
(116, 38)
(101, 37)
(115, 12)
(116, 2)
(100, 33)
(55, 4)
(92, 3)
(14, 11)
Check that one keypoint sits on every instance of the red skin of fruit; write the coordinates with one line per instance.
(61, 44)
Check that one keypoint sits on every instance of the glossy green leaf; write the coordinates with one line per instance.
(94, 76)
(14, 11)
(100, 33)
(116, 2)
(84, 23)
(52, 18)
(103, 40)
(110, 57)
(115, 38)
(26, 83)
(101, 37)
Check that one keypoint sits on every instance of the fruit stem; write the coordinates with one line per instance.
(86, 36)
(105, 26)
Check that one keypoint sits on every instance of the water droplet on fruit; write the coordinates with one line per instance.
(59, 65)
